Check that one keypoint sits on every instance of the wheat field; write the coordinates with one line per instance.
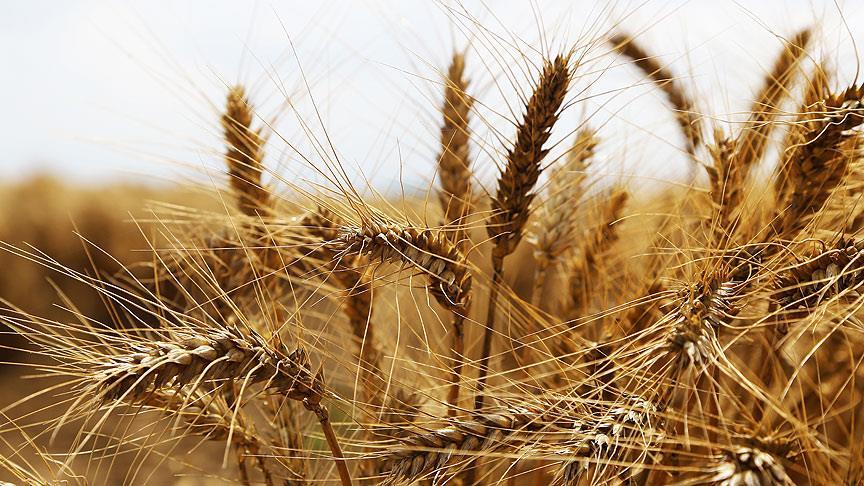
(541, 326)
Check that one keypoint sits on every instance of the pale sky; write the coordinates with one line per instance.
(101, 90)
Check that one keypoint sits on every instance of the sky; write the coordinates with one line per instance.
(111, 90)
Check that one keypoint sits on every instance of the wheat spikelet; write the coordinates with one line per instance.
(623, 427)
(681, 102)
(432, 253)
(216, 356)
(245, 154)
(727, 180)
(702, 310)
(454, 165)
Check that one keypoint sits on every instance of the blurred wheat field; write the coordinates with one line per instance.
(550, 324)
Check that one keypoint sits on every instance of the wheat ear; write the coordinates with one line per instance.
(454, 165)
(217, 356)
(819, 159)
(575, 433)
(555, 231)
(431, 252)
(512, 200)
(681, 102)
(753, 140)
(245, 154)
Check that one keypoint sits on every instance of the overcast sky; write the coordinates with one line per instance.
(100, 90)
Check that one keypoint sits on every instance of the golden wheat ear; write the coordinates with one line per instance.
(555, 232)
(512, 201)
(454, 164)
(558, 429)
(245, 154)
(825, 146)
(753, 140)
(734, 159)
(682, 103)
(222, 355)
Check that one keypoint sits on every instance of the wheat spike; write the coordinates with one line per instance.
(454, 164)
(513, 197)
(429, 251)
(556, 229)
(681, 102)
(245, 154)
(512, 200)
(820, 158)
(751, 143)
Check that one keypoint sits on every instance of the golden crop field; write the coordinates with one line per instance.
(544, 325)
